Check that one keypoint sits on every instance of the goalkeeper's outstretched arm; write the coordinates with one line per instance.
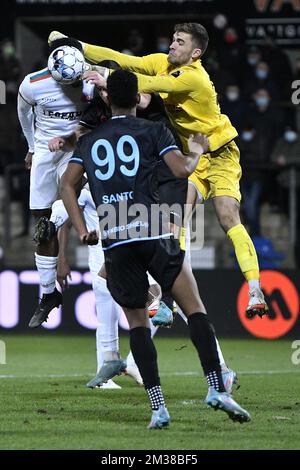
(148, 65)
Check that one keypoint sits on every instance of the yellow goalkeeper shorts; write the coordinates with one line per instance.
(218, 173)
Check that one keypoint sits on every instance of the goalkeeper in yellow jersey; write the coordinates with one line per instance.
(191, 103)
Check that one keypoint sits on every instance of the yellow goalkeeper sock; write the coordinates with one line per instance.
(244, 251)
(182, 238)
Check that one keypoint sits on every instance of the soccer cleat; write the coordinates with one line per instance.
(44, 231)
(153, 308)
(229, 379)
(108, 370)
(163, 317)
(224, 402)
(257, 304)
(54, 35)
(133, 371)
(48, 302)
(109, 385)
(160, 418)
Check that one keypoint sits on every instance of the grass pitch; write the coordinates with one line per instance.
(44, 403)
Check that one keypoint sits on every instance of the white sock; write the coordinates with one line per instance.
(253, 284)
(153, 329)
(100, 355)
(59, 214)
(111, 356)
(188, 243)
(220, 354)
(107, 335)
(46, 266)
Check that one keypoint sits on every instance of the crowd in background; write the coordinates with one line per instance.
(254, 89)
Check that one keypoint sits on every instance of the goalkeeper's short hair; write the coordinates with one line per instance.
(122, 89)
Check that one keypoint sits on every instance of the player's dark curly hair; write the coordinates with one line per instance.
(197, 31)
(122, 89)
(65, 42)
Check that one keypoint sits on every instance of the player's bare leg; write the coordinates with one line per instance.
(193, 197)
(186, 294)
(228, 212)
(46, 261)
(109, 361)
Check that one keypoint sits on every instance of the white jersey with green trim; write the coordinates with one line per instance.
(57, 108)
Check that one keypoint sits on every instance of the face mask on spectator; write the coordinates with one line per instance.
(252, 60)
(163, 47)
(262, 101)
(247, 136)
(230, 36)
(8, 50)
(232, 95)
(290, 136)
(261, 74)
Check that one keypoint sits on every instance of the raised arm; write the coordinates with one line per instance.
(182, 166)
(149, 65)
(187, 82)
(26, 103)
(69, 182)
(69, 142)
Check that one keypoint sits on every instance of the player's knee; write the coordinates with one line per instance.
(228, 215)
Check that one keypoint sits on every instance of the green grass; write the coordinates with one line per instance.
(45, 404)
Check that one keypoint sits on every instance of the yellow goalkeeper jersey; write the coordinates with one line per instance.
(189, 95)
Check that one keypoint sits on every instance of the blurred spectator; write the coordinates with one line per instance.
(234, 106)
(287, 151)
(9, 66)
(136, 43)
(280, 66)
(221, 78)
(296, 75)
(9, 131)
(261, 79)
(220, 21)
(127, 51)
(251, 59)
(163, 44)
(267, 120)
(252, 154)
(230, 53)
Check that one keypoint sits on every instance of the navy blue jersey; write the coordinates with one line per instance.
(121, 159)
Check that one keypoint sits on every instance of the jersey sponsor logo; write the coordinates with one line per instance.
(46, 100)
(176, 74)
(121, 228)
(282, 298)
(124, 196)
(69, 116)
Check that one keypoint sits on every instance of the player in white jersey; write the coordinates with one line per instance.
(45, 109)
(108, 311)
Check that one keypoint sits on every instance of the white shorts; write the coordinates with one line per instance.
(46, 171)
